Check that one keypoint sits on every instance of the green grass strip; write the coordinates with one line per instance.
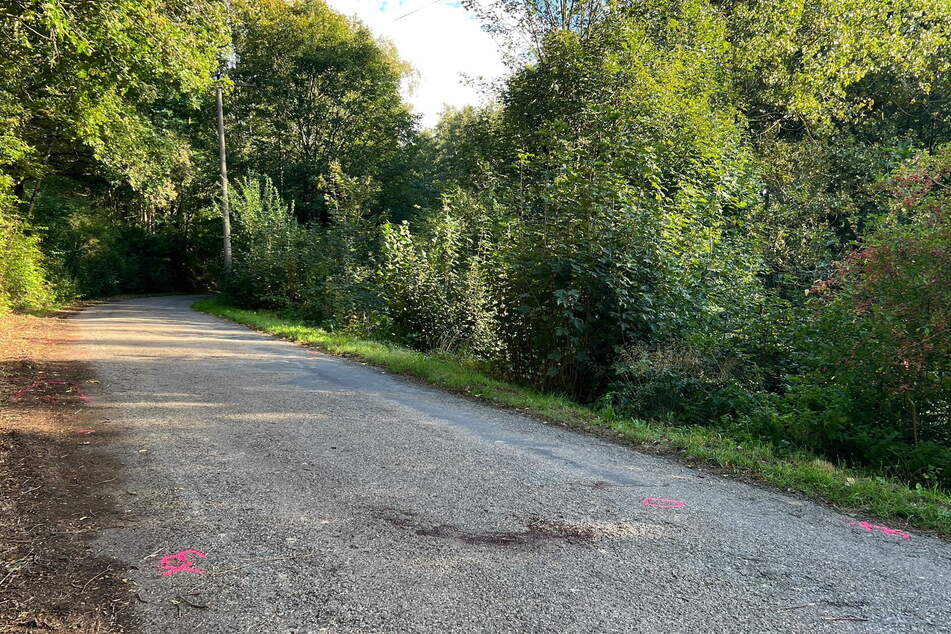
(848, 489)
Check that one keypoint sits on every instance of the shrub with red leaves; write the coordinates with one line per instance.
(888, 310)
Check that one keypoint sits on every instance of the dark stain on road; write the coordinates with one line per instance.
(536, 530)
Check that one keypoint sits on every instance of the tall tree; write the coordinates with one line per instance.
(521, 26)
(94, 99)
(314, 87)
(82, 83)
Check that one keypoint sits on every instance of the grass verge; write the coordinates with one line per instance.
(848, 489)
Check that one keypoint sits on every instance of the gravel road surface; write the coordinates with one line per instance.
(326, 495)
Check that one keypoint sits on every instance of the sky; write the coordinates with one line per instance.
(441, 40)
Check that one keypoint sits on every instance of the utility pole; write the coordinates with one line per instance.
(225, 206)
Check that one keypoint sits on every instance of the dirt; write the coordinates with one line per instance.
(54, 487)
(536, 530)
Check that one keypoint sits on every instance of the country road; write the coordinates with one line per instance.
(326, 495)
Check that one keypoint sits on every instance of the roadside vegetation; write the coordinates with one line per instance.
(717, 226)
(733, 451)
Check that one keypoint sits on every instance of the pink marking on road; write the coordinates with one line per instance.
(20, 393)
(184, 565)
(82, 395)
(883, 529)
(24, 391)
(86, 431)
(663, 503)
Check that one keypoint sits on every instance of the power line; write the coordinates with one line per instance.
(406, 15)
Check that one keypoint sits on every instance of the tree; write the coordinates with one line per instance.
(835, 95)
(521, 26)
(466, 143)
(81, 81)
(314, 87)
(91, 97)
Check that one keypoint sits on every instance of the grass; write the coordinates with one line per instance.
(851, 490)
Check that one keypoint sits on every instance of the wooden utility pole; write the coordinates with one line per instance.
(225, 206)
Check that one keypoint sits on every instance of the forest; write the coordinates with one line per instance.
(731, 214)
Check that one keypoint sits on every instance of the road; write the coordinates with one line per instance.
(326, 495)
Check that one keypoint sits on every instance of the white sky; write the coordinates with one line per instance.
(441, 40)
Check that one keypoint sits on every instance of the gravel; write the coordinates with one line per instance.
(328, 495)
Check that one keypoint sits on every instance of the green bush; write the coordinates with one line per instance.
(874, 346)
(860, 374)
(434, 284)
(23, 283)
(93, 250)
(267, 267)
(23, 278)
(322, 272)
(340, 288)
(682, 384)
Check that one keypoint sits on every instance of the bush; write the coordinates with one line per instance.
(875, 344)
(681, 384)
(434, 285)
(340, 290)
(95, 250)
(322, 273)
(860, 374)
(23, 278)
(266, 247)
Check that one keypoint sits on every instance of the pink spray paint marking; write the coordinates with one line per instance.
(20, 393)
(883, 529)
(86, 431)
(184, 563)
(75, 387)
(82, 395)
(663, 503)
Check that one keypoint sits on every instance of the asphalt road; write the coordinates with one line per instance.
(330, 496)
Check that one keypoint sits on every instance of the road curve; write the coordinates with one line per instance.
(326, 495)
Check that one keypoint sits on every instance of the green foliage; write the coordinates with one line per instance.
(320, 270)
(836, 95)
(93, 100)
(434, 284)
(684, 383)
(96, 250)
(865, 376)
(465, 143)
(88, 75)
(814, 64)
(114, 260)
(876, 385)
(314, 87)
(632, 187)
(266, 241)
(23, 281)
(340, 289)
